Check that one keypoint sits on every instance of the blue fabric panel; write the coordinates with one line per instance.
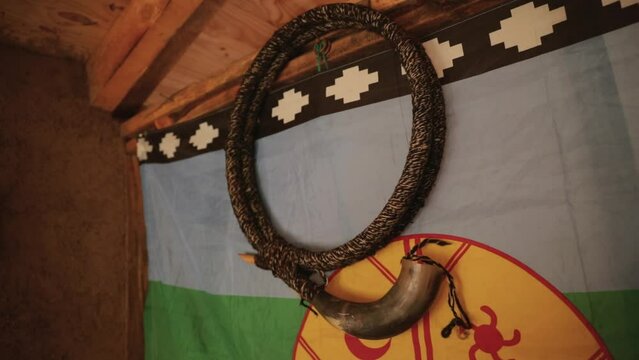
(541, 162)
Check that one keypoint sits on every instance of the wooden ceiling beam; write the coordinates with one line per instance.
(219, 90)
(140, 48)
(122, 37)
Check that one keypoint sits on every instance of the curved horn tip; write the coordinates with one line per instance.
(395, 312)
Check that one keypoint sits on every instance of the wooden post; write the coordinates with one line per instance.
(136, 261)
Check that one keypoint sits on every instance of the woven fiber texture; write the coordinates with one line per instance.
(293, 264)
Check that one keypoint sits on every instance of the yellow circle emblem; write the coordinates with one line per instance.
(516, 314)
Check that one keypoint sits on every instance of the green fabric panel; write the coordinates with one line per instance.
(614, 315)
(190, 324)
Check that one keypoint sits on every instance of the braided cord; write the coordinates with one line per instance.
(293, 264)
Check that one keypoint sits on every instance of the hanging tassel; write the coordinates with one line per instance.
(453, 300)
(321, 49)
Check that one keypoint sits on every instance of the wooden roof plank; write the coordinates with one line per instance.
(146, 51)
(172, 52)
(122, 37)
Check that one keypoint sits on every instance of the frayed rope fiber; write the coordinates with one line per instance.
(293, 264)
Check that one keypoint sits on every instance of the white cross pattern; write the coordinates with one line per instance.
(442, 54)
(143, 148)
(352, 84)
(204, 136)
(169, 145)
(289, 105)
(624, 3)
(527, 25)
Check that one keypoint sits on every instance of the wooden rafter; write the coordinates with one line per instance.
(125, 33)
(140, 48)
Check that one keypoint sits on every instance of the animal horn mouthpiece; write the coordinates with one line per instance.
(395, 312)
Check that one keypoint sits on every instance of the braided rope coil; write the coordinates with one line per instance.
(293, 264)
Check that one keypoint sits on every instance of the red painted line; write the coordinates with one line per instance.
(419, 250)
(406, 245)
(299, 333)
(428, 342)
(308, 349)
(414, 331)
(454, 256)
(427, 339)
(596, 355)
(303, 346)
(461, 253)
(387, 274)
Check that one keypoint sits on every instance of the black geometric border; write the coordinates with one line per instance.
(585, 19)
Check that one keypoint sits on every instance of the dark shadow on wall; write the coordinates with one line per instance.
(63, 214)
